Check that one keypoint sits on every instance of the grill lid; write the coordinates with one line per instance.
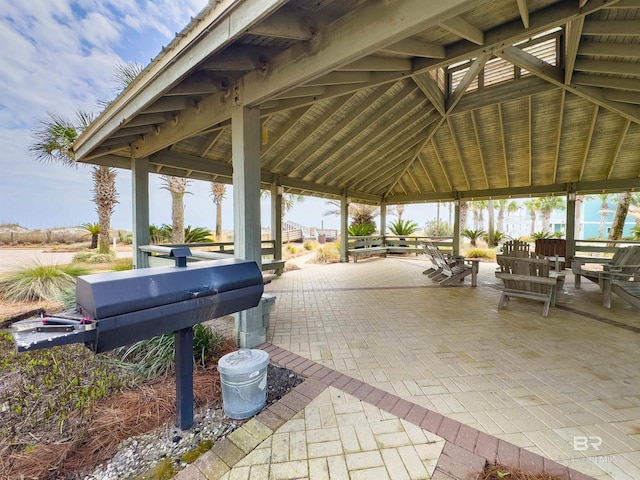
(115, 293)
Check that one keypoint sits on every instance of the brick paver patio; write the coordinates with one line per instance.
(383, 347)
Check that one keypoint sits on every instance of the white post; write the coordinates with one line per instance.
(140, 198)
(344, 228)
(245, 148)
(276, 218)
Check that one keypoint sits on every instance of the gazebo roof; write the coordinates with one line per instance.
(398, 101)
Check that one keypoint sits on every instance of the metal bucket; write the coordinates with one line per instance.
(243, 375)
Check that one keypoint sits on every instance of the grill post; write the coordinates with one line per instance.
(184, 377)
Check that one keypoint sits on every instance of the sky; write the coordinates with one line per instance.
(59, 56)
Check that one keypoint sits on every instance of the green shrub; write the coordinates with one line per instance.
(362, 229)
(122, 264)
(635, 232)
(403, 227)
(308, 245)
(542, 235)
(39, 282)
(94, 257)
(292, 249)
(435, 228)
(154, 357)
(473, 235)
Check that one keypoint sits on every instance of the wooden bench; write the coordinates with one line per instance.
(624, 256)
(528, 278)
(365, 246)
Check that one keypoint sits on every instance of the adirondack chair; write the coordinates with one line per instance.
(515, 248)
(624, 281)
(528, 278)
(621, 262)
(455, 269)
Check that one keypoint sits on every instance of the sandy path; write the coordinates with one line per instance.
(11, 258)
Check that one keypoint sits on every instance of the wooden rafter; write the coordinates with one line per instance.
(474, 69)
(479, 144)
(282, 131)
(210, 141)
(524, 12)
(431, 91)
(504, 144)
(421, 162)
(458, 152)
(587, 147)
(557, 155)
(572, 42)
(444, 170)
(464, 29)
(616, 152)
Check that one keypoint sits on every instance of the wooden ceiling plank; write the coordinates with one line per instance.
(426, 171)
(524, 12)
(458, 152)
(431, 91)
(479, 144)
(405, 138)
(348, 120)
(210, 141)
(282, 156)
(282, 131)
(416, 48)
(474, 69)
(616, 152)
(430, 133)
(626, 4)
(524, 87)
(552, 74)
(444, 170)
(587, 146)
(571, 45)
(303, 91)
(464, 29)
(399, 131)
(557, 155)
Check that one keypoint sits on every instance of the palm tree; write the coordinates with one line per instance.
(53, 141)
(218, 192)
(505, 206)
(604, 212)
(547, 205)
(622, 210)
(532, 206)
(177, 186)
(94, 231)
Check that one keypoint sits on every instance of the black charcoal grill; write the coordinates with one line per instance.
(120, 308)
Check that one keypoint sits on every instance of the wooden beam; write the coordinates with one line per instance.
(377, 64)
(301, 92)
(572, 42)
(422, 163)
(474, 69)
(606, 66)
(340, 78)
(616, 152)
(128, 131)
(524, 12)
(240, 58)
(150, 119)
(557, 155)
(479, 143)
(606, 82)
(441, 163)
(590, 47)
(210, 141)
(626, 28)
(464, 29)
(544, 70)
(431, 91)
(623, 97)
(172, 104)
(201, 83)
(626, 4)
(587, 146)
(504, 144)
(454, 140)
(288, 22)
(416, 48)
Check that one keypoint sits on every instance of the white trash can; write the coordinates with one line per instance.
(243, 375)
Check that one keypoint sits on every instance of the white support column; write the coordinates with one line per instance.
(344, 228)
(276, 217)
(245, 148)
(456, 227)
(383, 219)
(570, 233)
(140, 198)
